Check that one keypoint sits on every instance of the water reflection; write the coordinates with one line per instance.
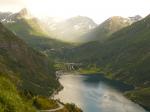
(96, 94)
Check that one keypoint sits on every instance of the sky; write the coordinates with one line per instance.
(98, 10)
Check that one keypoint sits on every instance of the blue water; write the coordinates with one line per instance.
(94, 93)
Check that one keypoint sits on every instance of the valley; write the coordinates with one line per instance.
(33, 50)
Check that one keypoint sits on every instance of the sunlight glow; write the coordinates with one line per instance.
(98, 10)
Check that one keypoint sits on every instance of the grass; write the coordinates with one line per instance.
(140, 96)
(44, 103)
(10, 100)
(89, 70)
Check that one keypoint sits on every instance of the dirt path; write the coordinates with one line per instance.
(53, 110)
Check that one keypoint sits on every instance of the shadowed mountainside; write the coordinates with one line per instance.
(34, 71)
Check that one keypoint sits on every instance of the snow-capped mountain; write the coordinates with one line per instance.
(68, 29)
(9, 17)
(108, 27)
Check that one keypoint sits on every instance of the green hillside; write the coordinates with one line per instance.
(25, 74)
(32, 33)
(124, 56)
(32, 70)
(10, 100)
(125, 51)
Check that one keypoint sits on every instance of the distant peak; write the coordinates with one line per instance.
(24, 13)
(135, 18)
(116, 18)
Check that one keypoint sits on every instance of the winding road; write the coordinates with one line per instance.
(53, 110)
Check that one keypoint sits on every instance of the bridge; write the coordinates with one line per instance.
(70, 66)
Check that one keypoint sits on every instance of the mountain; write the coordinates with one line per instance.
(69, 30)
(4, 17)
(25, 75)
(32, 32)
(105, 29)
(23, 25)
(32, 71)
(125, 56)
(8, 17)
(135, 18)
(30, 29)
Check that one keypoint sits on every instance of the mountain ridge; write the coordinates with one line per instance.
(108, 27)
(69, 29)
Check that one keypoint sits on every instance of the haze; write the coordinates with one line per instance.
(98, 10)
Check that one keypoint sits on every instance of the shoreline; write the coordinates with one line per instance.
(107, 77)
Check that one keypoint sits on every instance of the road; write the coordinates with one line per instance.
(53, 110)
